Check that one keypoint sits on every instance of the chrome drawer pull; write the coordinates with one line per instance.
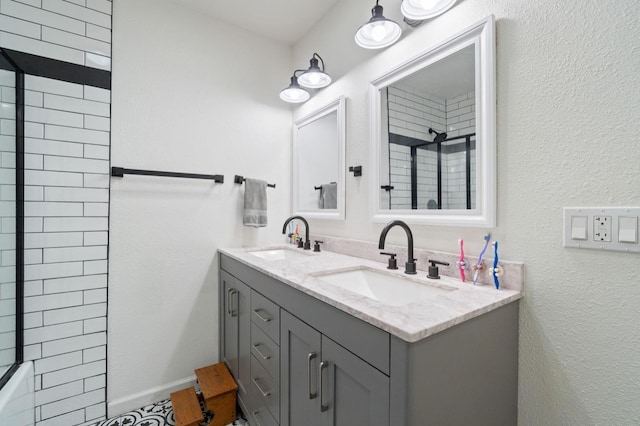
(265, 394)
(230, 308)
(263, 319)
(323, 406)
(310, 358)
(255, 416)
(263, 356)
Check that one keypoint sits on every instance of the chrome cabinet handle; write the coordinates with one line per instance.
(265, 394)
(323, 407)
(263, 319)
(263, 356)
(310, 358)
(255, 416)
(230, 308)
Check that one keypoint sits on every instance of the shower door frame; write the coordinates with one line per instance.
(19, 143)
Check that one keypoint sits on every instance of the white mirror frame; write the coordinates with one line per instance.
(339, 106)
(482, 35)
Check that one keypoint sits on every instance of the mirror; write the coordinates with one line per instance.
(318, 163)
(433, 131)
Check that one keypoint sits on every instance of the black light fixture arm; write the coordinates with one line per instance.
(314, 61)
(296, 75)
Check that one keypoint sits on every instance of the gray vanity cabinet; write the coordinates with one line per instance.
(301, 362)
(235, 329)
(324, 384)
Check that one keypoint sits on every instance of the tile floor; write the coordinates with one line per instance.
(158, 414)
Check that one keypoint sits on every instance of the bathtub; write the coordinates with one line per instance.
(17, 398)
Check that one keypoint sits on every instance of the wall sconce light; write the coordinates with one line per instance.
(294, 93)
(378, 32)
(420, 10)
(314, 77)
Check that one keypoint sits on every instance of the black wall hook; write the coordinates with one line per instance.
(357, 170)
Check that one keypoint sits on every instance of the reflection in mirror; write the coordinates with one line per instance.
(8, 321)
(318, 169)
(433, 128)
(431, 136)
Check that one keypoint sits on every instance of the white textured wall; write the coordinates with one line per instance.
(185, 99)
(567, 135)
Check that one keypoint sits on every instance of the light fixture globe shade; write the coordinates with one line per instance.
(294, 93)
(420, 10)
(314, 79)
(379, 32)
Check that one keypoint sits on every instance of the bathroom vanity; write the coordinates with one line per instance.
(305, 350)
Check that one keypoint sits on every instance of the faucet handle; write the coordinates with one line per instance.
(433, 269)
(300, 243)
(316, 246)
(393, 263)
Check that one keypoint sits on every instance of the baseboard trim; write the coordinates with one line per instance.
(142, 399)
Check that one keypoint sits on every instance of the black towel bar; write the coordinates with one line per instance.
(239, 179)
(318, 188)
(121, 171)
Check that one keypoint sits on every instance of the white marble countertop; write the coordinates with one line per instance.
(411, 322)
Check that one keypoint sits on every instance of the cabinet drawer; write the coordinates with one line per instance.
(262, 417)
(266, 315)
(265, 351)
(265, 389)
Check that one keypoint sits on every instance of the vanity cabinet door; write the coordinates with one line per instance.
(299, 363)
(236, 350)
(352, 393)
(323, 384)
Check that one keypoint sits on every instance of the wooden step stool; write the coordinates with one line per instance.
(219, 392)
(186, 407)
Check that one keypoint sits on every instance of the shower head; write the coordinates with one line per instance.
(440, 137)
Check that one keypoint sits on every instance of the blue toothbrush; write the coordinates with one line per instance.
(479, 265)
(496, 271)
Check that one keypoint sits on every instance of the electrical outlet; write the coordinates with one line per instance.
(602, 228)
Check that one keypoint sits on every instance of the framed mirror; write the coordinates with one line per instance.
(433, 134)
(319, 164)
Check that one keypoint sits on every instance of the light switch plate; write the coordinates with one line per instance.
(607, 228)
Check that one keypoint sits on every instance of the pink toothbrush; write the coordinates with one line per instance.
(462, 263)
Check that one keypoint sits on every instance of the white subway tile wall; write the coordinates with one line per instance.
(411, 113)
(461, 120)
(66, 238)
(71, 31)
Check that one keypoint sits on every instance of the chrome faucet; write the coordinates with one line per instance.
(307, 242)
(410, 266)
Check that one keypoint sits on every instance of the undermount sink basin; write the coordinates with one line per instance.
(278, 254)
(389, 289)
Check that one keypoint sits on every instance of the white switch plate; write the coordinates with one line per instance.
(607, 228)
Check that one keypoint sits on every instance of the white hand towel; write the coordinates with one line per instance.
(255, 203)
